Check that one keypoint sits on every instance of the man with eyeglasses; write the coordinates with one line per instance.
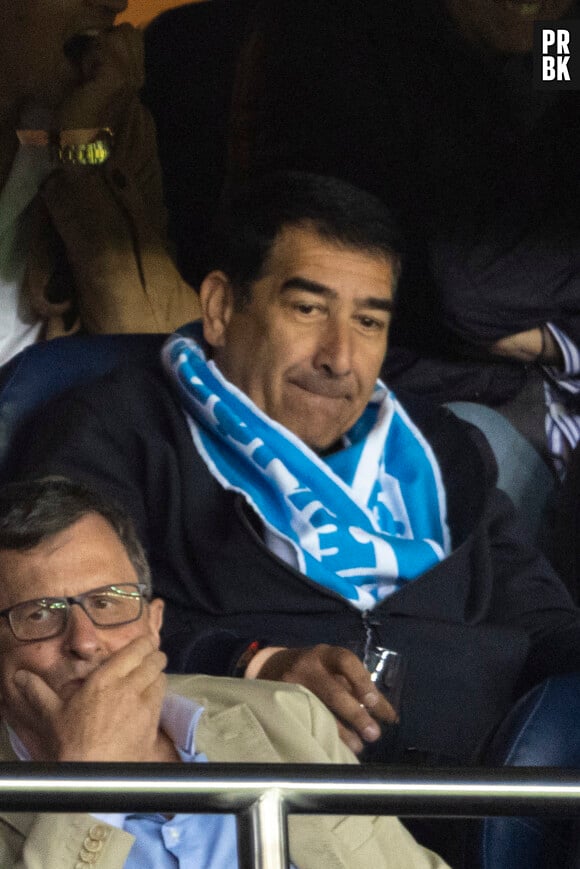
(81, 679)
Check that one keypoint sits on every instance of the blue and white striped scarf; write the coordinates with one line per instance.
(362, 521)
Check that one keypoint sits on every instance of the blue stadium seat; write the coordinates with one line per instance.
(543, 730)
(48, 368)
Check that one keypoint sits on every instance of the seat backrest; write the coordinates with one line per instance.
(44, 370)
(522, 472)
(541, 730)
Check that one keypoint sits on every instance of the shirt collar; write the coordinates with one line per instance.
(179, 719)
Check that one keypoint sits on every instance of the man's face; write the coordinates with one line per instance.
(504, 25)
(85, 556)
(309, 345)
(34, 35)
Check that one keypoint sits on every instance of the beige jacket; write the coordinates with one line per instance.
(243, 721)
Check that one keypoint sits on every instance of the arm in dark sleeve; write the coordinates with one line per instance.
(215, 654)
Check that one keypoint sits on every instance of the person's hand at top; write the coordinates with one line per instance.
(68, 58)
(110, 70)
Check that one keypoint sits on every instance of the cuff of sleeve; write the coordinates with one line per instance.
(570, 354)
(215, 654)
(258, 660)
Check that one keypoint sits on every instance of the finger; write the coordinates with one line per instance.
(111, 70)
(148, 674)
(135, 49)
(35, 692)
(344, 682)
(376, 703)
(154, 695)
(122, 663)
(350, 739)
(383, 711)
(347, 666)
(348, 709)
(353, 672)
(122, 48)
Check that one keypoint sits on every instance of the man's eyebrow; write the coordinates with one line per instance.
(298, 283)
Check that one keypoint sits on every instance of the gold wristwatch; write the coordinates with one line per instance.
(93, 153)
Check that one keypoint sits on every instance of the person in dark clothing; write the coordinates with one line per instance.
(430, 105)
(287, 498)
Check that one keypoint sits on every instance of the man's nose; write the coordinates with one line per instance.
(81, 636)
(335, 349)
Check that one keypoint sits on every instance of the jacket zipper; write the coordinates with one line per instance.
(367, 621)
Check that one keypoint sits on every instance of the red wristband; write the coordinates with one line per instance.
(245, 658)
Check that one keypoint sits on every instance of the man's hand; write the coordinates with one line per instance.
(110, 69)
(113, 716)
(343, 684)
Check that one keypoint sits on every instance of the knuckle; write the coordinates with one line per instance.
(344, 656)
(333, 693)
(321, 652)
(360, 719)
(321, 648)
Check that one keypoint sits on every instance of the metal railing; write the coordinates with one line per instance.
(262, 795)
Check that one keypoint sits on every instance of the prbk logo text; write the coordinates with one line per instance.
(557, 55)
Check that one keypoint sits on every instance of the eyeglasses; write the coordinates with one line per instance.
(107, 607)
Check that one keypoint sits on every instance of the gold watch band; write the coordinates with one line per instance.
(87, 154)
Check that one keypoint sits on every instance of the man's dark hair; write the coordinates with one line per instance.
(252, 216)
(35, 510)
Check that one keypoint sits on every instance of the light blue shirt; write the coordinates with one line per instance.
(184, 841)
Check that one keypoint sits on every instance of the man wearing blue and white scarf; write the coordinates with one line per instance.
(281, 394)
(362, 519)
(291, 504)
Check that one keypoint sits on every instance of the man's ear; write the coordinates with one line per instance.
(155, 615)
(216, 298)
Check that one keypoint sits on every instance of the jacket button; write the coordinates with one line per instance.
(92, 845)
(97, 831)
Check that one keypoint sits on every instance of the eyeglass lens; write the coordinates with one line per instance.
(111, 605)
